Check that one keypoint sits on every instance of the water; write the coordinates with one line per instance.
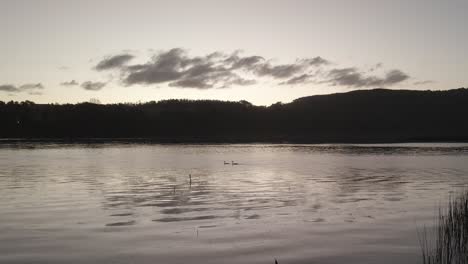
(133, 203)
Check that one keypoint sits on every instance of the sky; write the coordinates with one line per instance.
(262, 51)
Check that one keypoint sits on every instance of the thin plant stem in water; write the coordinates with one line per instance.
(447, 242)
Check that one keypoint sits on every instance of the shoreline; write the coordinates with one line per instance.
(221, 141)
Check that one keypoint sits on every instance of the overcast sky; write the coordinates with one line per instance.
(261, 51)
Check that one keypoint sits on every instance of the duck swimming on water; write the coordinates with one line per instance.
(234, 163)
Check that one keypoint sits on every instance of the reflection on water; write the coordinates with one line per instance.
(121, 203)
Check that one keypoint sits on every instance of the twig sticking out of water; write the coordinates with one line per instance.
(190, 177)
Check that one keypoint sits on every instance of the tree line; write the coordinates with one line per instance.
(359, 116)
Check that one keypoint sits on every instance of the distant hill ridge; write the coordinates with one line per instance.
(387, 92)
(362, 116)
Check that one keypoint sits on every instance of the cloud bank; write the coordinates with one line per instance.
(70, 83)
(216, 70)
(30, 87)
(112, 62)
(176, 68)
(93, 86)
(352, 77)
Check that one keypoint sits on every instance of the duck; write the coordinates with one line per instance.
(226, 163)
(234, 163)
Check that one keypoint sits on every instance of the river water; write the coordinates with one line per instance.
(135, 203)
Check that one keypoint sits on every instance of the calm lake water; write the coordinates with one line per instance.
(133, 203)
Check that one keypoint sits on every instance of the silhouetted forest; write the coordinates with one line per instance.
(359, 116)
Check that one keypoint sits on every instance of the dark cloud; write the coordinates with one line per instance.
(352, 77)
(180, 70)
(215, 70)
(297, 80)
(423, 82)
(164, 67)
(113, 62)
(70, 83)
(9, 88)
(237, 62)
(241, 82)
(220, 70)
(24, 87)
(317, 61)
(207, 76)
(93, 86)
(198, 83)
(31, 86)
(289, 70)
(394, 77)
(279, 71)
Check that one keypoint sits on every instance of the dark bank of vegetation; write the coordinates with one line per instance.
(360, 116)
(447, 243)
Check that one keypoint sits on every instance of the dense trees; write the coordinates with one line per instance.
(359, 116)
